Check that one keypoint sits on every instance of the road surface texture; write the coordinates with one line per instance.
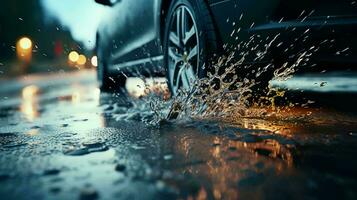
(60, 138)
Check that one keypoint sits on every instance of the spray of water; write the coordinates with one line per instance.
(233, 88)
(223, 93)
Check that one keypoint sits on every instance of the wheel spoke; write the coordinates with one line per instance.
(173, 55)
(175, 60)
(174, 39)
(192, 53)
(172, 77)
(178, 23)
(184, 78)
(183, 23)
(179, 78)
(190, 74)
(189, 34)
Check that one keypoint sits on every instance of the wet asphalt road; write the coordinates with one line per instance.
(60, 138)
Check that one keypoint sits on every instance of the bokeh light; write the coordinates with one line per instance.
(25, 43)
(81, 60)
(73, 56)
(24, 50)
(94, 61)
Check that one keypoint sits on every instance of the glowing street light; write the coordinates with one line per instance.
(73, 56)
(24, 49)
(81, 60)
(25, 43)
(94, 61)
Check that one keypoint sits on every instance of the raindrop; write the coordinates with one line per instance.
(302, 13)
(233, 33)
(168, 157)
(112, 79)
(322, 84)
(120, 167)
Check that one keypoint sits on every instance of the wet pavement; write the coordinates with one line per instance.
(60, 138)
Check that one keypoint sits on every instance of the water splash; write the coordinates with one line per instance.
(234, 86)
(223, 93)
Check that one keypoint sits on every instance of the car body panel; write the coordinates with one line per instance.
(130, 35)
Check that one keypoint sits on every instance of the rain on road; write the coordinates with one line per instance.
(60, 138)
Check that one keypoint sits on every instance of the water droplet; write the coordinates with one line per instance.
(168, 157)
(120, 167)
(51, 172)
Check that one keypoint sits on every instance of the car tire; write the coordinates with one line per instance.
(197, 16)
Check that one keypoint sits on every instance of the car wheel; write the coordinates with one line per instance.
(189, 42)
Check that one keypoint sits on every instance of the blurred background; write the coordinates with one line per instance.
(47, 36)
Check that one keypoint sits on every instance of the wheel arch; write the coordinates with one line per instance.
(164, 8)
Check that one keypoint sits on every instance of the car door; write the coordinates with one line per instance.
(235, 18)
(133, 31)
(292, 10)
(328, 24)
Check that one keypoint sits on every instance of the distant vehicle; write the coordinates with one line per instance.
(182, 36)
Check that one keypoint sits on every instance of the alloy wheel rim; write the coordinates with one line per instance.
(183, 50)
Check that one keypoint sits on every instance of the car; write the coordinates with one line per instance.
(183, 38)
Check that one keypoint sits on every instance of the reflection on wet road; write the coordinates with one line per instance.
(61, 139)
